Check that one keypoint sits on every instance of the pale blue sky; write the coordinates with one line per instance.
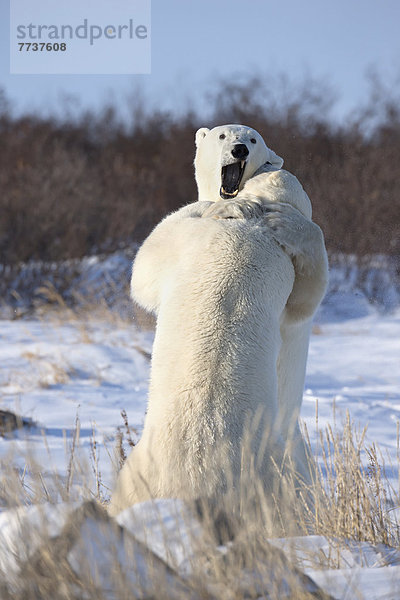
(194, 43)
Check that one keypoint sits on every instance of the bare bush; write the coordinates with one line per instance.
(92, 184)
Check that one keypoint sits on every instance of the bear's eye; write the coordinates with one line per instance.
(253, 141)
(222, 136)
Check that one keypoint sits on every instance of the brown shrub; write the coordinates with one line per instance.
(90, 184)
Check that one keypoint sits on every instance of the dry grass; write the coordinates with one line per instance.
(125, 435)
(348, 500)
(351, 498)
(356, 498)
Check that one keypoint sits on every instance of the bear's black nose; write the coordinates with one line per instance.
(240, 151)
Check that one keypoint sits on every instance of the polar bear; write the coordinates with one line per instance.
(233, 279)
(246, 180)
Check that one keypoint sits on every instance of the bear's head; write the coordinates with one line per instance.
(226, 157)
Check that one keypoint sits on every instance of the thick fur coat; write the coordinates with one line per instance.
(234, 284)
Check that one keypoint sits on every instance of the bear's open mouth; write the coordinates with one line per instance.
(231, 176)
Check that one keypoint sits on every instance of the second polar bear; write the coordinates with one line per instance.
(234, 296)
(238, 158)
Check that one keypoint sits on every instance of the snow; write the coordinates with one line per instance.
(51, 372)
(355, 364)
(55, 368)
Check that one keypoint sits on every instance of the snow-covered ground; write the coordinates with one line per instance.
(53, 372)
(354, 365)
(53, 369)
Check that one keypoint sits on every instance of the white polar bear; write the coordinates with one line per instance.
(234, 285)
(261, 187)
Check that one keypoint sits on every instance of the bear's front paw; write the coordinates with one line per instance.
(298, 235)
(233, 209)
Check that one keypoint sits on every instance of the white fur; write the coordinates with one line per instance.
(277, 196)
(234, 296)
(283, 204)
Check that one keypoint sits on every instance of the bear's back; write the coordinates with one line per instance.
(218, 323)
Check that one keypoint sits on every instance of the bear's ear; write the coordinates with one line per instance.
(274, 159)
(200, 135)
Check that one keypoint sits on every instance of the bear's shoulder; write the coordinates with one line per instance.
(279, 178)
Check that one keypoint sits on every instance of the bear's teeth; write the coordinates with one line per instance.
(231, 194)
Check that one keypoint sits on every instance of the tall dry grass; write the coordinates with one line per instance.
(349, 499)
